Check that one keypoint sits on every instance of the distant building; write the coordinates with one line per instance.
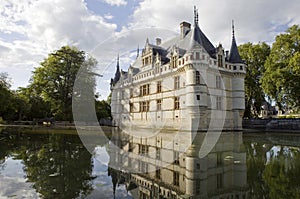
(269, 111)
(184, 83)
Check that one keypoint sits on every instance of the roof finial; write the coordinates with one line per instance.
(196, 15)
(118, 59)
(233, 28)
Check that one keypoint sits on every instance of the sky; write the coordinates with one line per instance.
(32, 29)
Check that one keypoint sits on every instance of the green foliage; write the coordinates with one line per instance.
(36, 107)
(281, 80)
(103, 109)
(11, 104)
(281, 174)
(54, 79)
(255, 56)
(272, 173)
(256, 161)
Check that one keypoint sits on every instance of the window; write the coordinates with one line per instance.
(130, 147)
(241, 67)
(174, 62)
(131, 107)
(143, 149)
(145, 90)
(176, 178)
(158, 104)
(234, 67)
(218, 82)
(176, 103)
(158, 153)
(141, 90)
(197, 55)
(177, 82)
(219, 103)
(144, 106)
(158, 173)
(197, 77)
(198, 97)
(143, 167)
(176, 157)
(158, 87)
(220, 60)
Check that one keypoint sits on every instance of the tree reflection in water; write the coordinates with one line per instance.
(273, 164)
(256, 166)
(58, 165)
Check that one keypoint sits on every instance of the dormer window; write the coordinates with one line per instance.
(197, 55)
(220, 61)
(174, 61)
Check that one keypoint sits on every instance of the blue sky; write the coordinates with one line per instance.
(31, 29)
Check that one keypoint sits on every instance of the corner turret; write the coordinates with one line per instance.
(234, 55)
(117, 73)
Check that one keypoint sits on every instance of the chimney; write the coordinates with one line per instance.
(158, 41)
(185, 28)
(227, 54)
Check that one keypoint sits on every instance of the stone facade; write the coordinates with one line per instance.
(185, 83)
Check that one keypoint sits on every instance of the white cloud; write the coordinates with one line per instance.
(254, 20)
(44, 26)
(116, 2)
(31, 29)
(108, 16)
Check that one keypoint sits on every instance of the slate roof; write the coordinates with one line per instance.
(199, 37)
(234, 55)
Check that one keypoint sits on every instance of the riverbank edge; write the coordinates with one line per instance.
(58, 129)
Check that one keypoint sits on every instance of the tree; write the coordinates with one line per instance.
(103, 109)
(56, 165)
(281, 80)
(255, 56)
(36, 107)
(54, 79)
(11, 105)
(5, 94)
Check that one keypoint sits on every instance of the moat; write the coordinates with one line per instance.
(52, 165)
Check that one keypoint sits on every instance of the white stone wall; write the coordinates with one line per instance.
(222, 103)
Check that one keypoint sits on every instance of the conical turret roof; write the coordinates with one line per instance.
(199, 37)
(234, 55)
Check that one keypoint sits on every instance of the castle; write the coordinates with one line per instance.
(185, 83)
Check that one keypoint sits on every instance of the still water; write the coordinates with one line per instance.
(57, 165)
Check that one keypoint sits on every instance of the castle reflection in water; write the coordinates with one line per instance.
(167, 165)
